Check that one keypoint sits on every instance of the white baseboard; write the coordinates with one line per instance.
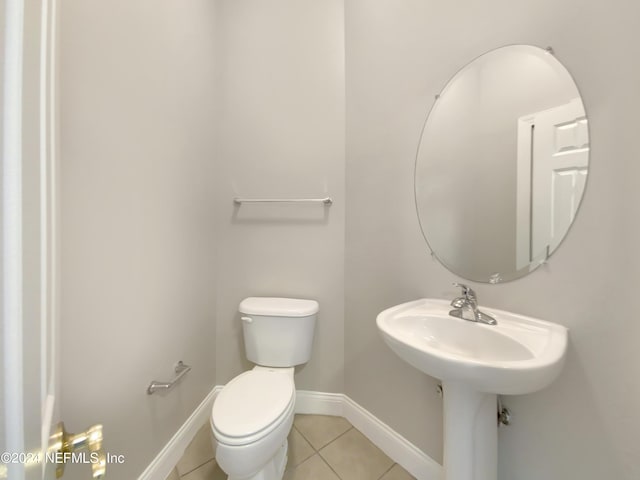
(161, 466)
(319, 403)
(398, 448)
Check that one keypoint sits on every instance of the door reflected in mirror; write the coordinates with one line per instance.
(502, 164)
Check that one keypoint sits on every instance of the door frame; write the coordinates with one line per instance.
(28, 234)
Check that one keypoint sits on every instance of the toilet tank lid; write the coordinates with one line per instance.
(279, 307)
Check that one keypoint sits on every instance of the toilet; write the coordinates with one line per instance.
(253, 414)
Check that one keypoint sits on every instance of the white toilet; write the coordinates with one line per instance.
(253, 414)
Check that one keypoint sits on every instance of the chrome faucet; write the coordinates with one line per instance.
(466, 307)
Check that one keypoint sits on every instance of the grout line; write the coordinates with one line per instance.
(388, 470)
(195, 468)
(317, 452)
(173, 474)
(327, 444)
(325, 460)
(293, 467)
(191, 471)
(329, 465)
(184, 453)
(306, 439)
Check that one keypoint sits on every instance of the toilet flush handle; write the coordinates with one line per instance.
(246, 319)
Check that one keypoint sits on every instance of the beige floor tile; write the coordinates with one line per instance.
(354, 457)
(314, 468)
(173, 475)
(397, 473)
(299, 449)
(208, 471)
(199, 451)
(321, 430)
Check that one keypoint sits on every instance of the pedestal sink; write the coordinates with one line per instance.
(476, 362)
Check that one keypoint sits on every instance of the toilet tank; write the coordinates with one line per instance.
(278, 332)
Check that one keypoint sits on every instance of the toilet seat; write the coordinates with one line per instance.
(252, 405)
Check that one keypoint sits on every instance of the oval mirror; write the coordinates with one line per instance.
(502, 164)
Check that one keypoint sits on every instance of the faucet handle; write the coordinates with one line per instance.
(466, 291)
(459, 302)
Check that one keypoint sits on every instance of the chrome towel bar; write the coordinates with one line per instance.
(181, 370)
(325, 201)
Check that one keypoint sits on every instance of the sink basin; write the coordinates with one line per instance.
(518, 355)
(476, 362)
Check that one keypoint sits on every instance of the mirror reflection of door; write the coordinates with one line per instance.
(553, 155)
(501, 164)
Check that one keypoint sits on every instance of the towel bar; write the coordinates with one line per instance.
(325, 201)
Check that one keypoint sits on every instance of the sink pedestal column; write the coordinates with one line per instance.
(470, 433)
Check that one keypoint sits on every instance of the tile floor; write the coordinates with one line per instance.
(320, 448)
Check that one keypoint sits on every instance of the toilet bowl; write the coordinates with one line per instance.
(251, 420)
(253, 414)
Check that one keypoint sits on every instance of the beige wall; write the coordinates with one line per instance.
(399, 54)
(281, 134)
(138, 269)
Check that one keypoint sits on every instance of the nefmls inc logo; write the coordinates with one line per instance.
(73, 457)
